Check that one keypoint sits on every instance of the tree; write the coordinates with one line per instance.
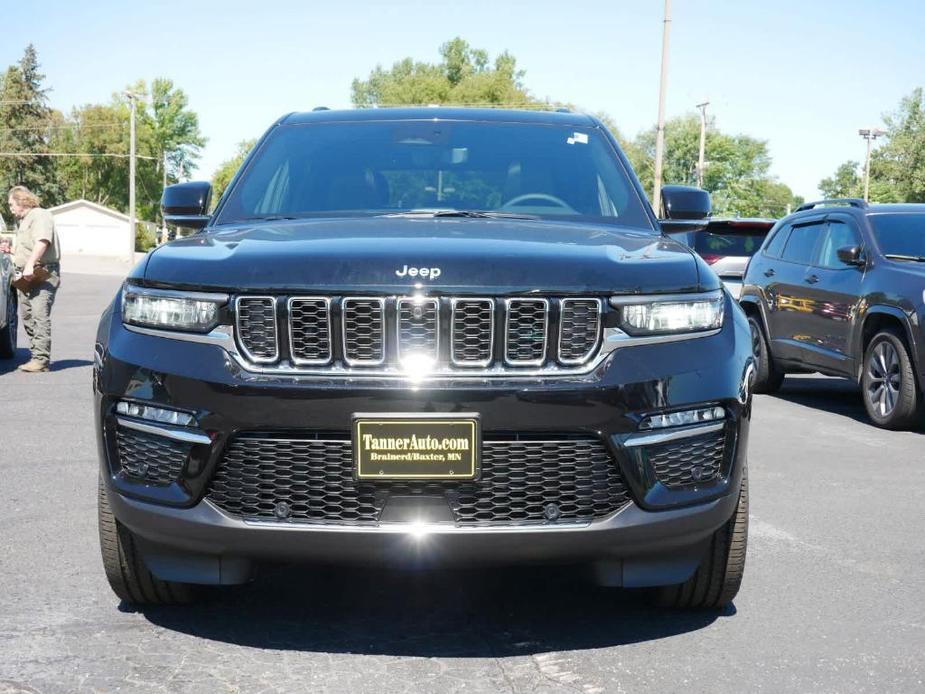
(897, 168)
(736, 171)
(464, 76)
(844, 183)
(27, 122)
(227, 169)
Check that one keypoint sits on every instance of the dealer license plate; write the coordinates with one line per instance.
(409, 447)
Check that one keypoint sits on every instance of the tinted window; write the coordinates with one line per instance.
(357, 168)
(802, 242)
(776, 244)
(837, 235)
(900, 234)
(729, 241)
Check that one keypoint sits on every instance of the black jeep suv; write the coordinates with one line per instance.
(839, 287)
(420, 337)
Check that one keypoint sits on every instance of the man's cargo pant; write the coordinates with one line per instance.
(35, 313)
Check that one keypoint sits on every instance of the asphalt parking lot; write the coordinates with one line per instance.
(832, 599)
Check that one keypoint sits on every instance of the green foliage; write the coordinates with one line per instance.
(165, 127)
(228, 168)
(464, 76)
(145, 238)
(897, 168)
(27, 123)
(736, 172)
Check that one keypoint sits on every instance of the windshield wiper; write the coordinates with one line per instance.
(897, 256)
(265, 218)
(471, 214)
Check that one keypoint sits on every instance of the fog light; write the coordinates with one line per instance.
(155, 414)
(683, 418)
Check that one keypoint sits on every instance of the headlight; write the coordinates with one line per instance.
(169, 310)
(678, 313)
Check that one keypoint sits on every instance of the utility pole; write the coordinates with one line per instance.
(660, 128)
(869, 134)
(164, 221)
(703, 141)
(132, 98)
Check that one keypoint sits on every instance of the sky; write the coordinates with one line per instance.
(803, 75)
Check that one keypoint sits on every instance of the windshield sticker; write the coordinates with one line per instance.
(580, 138)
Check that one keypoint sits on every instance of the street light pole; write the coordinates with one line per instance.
(868, 134)
(660, 128)
(703, 140)
(132, 98)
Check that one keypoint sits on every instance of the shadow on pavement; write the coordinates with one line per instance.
(463, 614)
(8, 365)
(62, 364)
(835, 395)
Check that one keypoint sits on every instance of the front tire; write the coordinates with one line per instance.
(888, 386)
(768, 378)
(719, 576)
(127, 574)
(8, 332)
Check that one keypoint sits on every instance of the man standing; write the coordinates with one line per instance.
(36, 246)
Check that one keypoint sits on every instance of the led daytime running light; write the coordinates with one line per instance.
(683, 418)
(155, 414)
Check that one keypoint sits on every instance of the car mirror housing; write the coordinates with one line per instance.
(684, 208)
(850, 255)
(187, 204)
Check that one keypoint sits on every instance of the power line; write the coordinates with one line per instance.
(74, 154)
(65, 127)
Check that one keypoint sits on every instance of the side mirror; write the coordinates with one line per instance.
(187, 204)
(685, 202)
(684, 208)
(850, 255)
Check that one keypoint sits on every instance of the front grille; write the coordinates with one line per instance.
(310, 330)
(688, 462)
(581, 325)
(150, 458)
(525, 336)
(522, 482)
(364, 331)
(453, 334)
(473, 331)
(256, 322)
(418, 325)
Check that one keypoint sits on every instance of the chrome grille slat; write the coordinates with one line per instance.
(364, 330)
(310, 329)
(526, 325)
(418, 327)
(579, 329)
(255, 318)
(472, 332)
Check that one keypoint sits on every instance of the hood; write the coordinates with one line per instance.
(448, 254)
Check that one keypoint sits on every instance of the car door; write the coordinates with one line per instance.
(787, 297)
(833, 290)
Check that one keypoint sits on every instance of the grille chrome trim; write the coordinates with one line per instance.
(168, 432)
(454, 302)
(507, 331)
(432, 351)
(330, 336)
(378, 300)
(563, 305)
(241, 342)
(656, 437)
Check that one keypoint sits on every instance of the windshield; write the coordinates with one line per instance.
(738, 242)
(900, 234)
(364, 168)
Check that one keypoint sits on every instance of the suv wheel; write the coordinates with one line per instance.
(719, 576)
(768, 378)
(128, 577)
(8, 332)
(888, 382)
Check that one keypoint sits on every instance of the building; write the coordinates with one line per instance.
(88, 229)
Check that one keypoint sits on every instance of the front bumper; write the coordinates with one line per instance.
(657, 537)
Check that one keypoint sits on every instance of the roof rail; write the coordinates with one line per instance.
(832, 202)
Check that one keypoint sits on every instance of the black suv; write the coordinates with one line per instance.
(420, 337)
(839, 287)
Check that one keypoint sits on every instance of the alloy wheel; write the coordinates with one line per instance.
(885, 379)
